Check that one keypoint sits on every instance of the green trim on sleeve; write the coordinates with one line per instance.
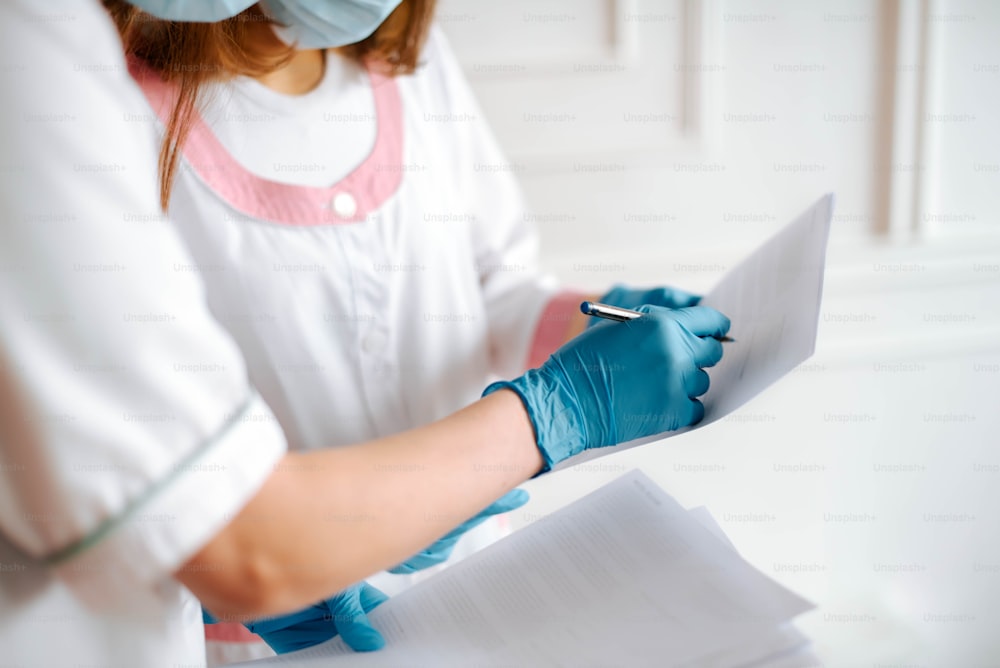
(109, 525)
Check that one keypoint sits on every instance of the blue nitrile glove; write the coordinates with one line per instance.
(344, 614)
(441, 549)
(625, 297)
(621, 381)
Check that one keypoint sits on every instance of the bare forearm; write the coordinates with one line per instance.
(327, 519)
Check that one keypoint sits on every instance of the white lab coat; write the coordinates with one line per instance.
(116, 463)
(368, 247)
(387, 299)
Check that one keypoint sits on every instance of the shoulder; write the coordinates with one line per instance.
(439, 80)
(437, 48)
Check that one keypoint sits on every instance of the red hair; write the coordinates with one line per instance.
(191, 55)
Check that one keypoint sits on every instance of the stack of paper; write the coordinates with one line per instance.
(623, 577)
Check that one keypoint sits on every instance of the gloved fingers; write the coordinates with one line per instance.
(696, 382)
(457, 532)
(352, 623)
(701, 320)
(298, 630)
(512, 500)
(671, 298)
(432, 556)
(697, 412)
(707, 351)
(652, 312)
(417, 562)
(690, 300)
(618, 295)
(689, 323)
(360, 635)
(657, 422)
(371, 597)
(666, 296)
(405, 568)
(301, 636)
(599, 322)
(267, 625)
(441, 549)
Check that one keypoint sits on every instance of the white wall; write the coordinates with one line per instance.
(660, 140)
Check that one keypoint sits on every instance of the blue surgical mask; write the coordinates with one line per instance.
(200, 11)
(320, 24)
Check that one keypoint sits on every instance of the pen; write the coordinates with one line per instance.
(617, 314)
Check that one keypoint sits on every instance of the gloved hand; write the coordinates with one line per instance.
(621, 381)
(626, 297)
(344, 614)
(441, 549)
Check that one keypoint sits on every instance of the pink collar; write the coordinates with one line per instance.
(359, 194)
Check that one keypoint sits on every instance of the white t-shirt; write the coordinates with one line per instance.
(120, 456)
(314, 139)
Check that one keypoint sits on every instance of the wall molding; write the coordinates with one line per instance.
(911, 71)
(702, 54)
(629, 50)
(621, 51)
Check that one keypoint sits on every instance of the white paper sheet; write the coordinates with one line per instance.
(773, 300)
(623, 576)
(782, 642)
(774, 645)
(803, 658)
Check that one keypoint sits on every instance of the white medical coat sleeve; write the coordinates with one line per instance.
(528, 314)
(129, 435)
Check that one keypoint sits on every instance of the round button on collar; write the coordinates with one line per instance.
(344, 205)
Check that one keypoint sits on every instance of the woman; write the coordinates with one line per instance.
(138, 482)
(384, 278)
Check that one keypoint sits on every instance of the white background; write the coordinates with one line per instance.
(660, 140)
